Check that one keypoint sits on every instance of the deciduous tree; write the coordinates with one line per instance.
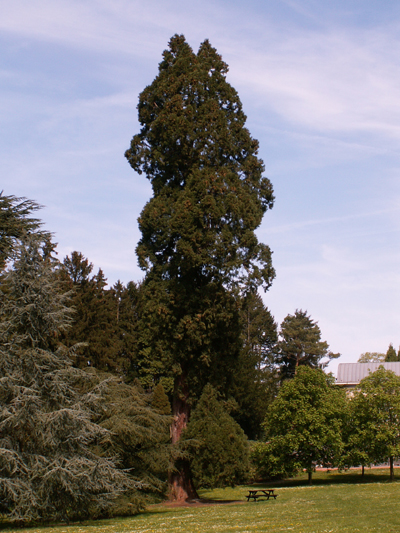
(198, 240)
(371, 357)
(376, 415)
(304, 423)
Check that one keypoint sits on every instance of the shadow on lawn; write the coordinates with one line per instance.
(332, 478)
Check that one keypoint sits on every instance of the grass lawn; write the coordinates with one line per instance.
(335, 503)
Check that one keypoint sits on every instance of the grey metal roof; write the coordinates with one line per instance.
(352, 373)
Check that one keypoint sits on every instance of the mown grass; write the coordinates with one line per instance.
(334, 503)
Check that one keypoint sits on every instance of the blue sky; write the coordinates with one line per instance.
(320, 84)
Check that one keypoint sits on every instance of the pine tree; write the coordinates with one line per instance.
(255, 379)
(104, 319)
(198, 242)
(391, 355)
(48, 470)
(16, 222)
(300, 344)
(160, 400)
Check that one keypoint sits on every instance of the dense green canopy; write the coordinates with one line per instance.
(375, 419)
(198, 241)
(48, 469)
(304, 423)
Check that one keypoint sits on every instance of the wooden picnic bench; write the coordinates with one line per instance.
(261, 493)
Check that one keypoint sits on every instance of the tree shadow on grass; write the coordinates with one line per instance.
(353, 477)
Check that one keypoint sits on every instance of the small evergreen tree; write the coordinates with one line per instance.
(160, 401)
(218, 445)
(300, 344)
(47, 467)
(391, 355)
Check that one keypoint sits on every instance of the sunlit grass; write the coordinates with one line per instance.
(335, 503)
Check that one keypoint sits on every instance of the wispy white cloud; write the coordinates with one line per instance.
(334, 79)
(289, 228)
(319, 93)
(340, 81)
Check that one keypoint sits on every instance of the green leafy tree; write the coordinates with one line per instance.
(198, 242)
(376, 414)
(357, 450)
(48, 470)
(304, 423)
(371, 357)
(300, 344)
(16, 222)
(391, 355)
(218, 446)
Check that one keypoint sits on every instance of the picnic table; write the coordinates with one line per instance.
(261, 493)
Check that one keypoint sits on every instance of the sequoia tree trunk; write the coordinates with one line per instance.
(180, 482)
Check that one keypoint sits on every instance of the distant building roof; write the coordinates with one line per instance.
(353, 373)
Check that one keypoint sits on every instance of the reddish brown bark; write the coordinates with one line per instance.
(180, 482)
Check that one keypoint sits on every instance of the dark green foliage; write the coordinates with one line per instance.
(304, 423)
(15, 223)
(103, 319)
(391, 354)
(209, 193)
(187, 329)
(254, 382)
(269, 464)
(300, 344)
(375, 409)
(160, 402)
(139, 436)
(218, 446)
(198, 229)
(47, 468)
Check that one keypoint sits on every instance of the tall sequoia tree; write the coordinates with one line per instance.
(198, 244)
